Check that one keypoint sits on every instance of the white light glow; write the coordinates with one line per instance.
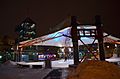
(62, 49)
(70, 49)
(115, 45)
(33, 26)
(60, 45)
(108, 46)
(0, 57)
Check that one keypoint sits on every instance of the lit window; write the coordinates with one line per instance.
(33, 26)
(22, 24)
(21, 36)
(21, 30)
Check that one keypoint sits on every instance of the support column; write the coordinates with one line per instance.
(100, 37)
(75, 39)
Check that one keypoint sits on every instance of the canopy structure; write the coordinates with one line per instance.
(62, 38)
(110, 39)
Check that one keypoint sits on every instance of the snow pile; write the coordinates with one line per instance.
(9, 63)
(95, 70)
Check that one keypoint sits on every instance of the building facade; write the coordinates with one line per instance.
(26, 30)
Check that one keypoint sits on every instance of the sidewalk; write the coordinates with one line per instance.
(60, 73)
(10, 70)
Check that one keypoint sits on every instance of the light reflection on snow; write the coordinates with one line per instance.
(63, 64)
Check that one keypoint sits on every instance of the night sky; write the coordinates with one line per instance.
(48, 13)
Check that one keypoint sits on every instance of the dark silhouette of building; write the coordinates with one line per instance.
(26, 30)
(6, 48)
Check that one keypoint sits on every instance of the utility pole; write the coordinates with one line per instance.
(74, 35)
(100, 37)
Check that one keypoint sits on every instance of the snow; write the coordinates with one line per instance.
(62, 63)
(10, 70)
(113, 60)
(55, 64)
(94, 69)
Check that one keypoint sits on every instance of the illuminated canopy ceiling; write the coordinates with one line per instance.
(62, 38)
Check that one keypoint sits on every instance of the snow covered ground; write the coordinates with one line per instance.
(10, 70)
(55, 64)
(64, 64)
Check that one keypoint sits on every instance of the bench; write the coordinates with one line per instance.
(24, 65)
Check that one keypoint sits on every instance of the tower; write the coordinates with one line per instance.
(26, 30)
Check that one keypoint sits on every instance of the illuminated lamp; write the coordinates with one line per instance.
(0, 57)
(115, 45)
(108, 46)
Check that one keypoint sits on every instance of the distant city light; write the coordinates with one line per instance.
(11, 48)
(108, 46)
(0, 57)
(115, 45)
